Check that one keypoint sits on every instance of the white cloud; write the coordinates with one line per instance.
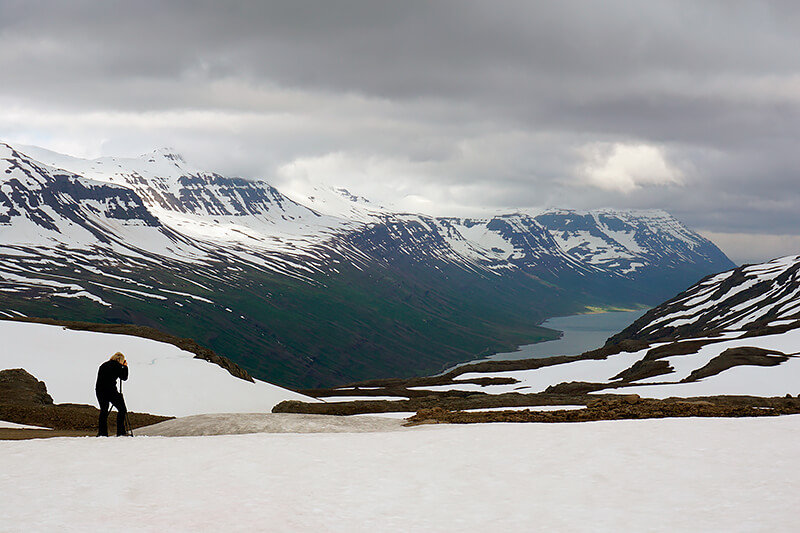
(627, 167)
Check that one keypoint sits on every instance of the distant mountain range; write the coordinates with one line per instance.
(319, 290)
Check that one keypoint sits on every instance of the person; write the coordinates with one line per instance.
(106, 390)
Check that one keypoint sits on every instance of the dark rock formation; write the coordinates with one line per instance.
(18, 387)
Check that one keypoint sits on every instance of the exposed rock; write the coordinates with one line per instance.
(631, 398)
(18, 387)
(643, 369)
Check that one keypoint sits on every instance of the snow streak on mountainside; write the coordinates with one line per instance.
(744, 299)
(153, 239)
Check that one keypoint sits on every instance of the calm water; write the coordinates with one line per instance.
(581, 333)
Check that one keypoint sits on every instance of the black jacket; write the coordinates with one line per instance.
(107, 376)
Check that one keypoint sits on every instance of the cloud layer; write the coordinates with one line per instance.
(451, 105)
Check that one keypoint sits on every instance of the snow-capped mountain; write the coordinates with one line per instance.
(314, 292)
(206, 206)
(627, 241)
(340, 203)
(43, 205)
(210, 206)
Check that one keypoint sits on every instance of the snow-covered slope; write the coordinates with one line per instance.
(746, 298)
(164, 380)
(513, 241)
(340, 203)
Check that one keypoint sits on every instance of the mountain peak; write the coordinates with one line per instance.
(164, 153)
(5, 150)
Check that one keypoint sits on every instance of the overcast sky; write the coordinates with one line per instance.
(445, 107)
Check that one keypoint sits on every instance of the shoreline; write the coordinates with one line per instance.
(520, 349)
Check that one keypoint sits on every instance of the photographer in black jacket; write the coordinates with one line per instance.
(106, 389)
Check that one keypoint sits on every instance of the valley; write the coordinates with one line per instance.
(730, 341)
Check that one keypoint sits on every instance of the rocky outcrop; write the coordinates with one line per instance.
(18, 387)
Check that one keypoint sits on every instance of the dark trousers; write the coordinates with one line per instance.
(116, 399)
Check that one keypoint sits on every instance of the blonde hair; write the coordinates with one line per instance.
(118, 357)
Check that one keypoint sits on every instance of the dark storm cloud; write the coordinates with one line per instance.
(470, 101)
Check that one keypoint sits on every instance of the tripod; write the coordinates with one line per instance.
(128, 428)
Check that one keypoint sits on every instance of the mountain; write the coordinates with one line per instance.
(755, 299)
(734, 333)
(315, 291)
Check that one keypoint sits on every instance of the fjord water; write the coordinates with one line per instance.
(580, 333)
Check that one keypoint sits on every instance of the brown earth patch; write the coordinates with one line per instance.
(743, 355)
(598, 407)
(403, 387)
(452, 402)
(757, 329)
(619, 408)
(27, 434)
(70, 417)
(575, 387)
(678, 348)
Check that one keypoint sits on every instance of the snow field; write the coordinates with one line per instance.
(164, 380)
(733, 475)
(537, 380)
(739, 380)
